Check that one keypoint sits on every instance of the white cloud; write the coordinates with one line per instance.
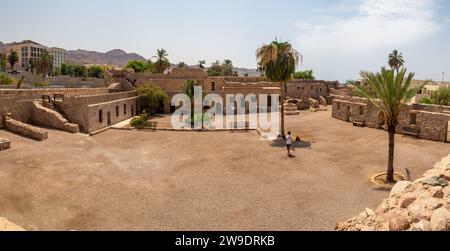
(375, 24)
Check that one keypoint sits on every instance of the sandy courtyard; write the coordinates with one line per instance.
(130, 180)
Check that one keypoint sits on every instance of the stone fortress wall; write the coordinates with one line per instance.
(173, 82)
(428, 122)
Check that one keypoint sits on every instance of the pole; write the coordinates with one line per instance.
(443, 75)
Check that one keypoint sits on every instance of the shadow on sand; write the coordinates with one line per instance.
(281, 143)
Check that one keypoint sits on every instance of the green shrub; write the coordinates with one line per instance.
(6, 80)
(426, 100)
(39, 84)
(141, 122)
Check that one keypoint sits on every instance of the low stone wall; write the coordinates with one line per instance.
(50, 118)
(4, 144)
(37, 93)
(422, 205)
(23, 129)
(431, 122)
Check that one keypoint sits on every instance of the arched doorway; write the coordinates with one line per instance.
(381, 121)
(348, 114)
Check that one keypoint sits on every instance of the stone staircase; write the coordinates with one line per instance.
(43, 115)
(291, 109)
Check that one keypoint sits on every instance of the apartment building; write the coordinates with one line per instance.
(28, 50)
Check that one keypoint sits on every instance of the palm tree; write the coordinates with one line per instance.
(279, 61)
(396, 60)
(13, 58)
(162, 62)
(188, 89)
(228, 67)
(389, 89)
(44, 64)
(260, 69)
(201, 64)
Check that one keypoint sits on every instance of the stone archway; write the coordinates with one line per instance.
(381, 121)
(348, 114)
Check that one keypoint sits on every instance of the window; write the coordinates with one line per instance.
(361, 110)
(413, 118)
(100, 116)
(312, 87)
(298, 87)
(338, 106)
(213, 86)
(125, 109)
(117, 111)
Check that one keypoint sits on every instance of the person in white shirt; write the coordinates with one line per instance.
(289, 143)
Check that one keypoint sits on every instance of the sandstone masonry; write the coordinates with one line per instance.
(422, 205)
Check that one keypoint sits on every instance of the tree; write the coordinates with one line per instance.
(20, 82)
(162, 62)
(216, 69)
(227, 68)
(95, 71)
(279, 61)
(305, 75)
(182, 65)
(79, 71)
(150, 96)
(3, 62)
(32, 63)
(44, 64)
(396, 60)
(260, 69)
(5, 79)
(139, 66)
(189, 89)
(201, 64)
(13, 58)
(439, 97)
(390, 89)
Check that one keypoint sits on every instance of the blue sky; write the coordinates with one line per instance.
(337, 38)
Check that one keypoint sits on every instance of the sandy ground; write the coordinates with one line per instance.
(130, 180)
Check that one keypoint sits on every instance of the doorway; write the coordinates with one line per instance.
(348, 114)
(108, 117)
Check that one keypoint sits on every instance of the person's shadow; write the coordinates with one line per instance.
(281, 143)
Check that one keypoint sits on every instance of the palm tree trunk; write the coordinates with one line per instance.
(390, 170)
(283, 135)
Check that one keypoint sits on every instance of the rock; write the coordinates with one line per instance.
(436, 181)
(440, 220)
(418, 212)
(432, 203)
(446, 191)
(6, 225)
(370, 212)
(436, 192)
(422, 225)
(399, 223)
(407, 199)
(401, 188)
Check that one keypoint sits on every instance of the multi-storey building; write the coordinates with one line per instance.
(59, 56)
(28, 51)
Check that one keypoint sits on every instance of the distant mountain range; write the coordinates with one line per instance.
(114, 57)
(120, 58)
